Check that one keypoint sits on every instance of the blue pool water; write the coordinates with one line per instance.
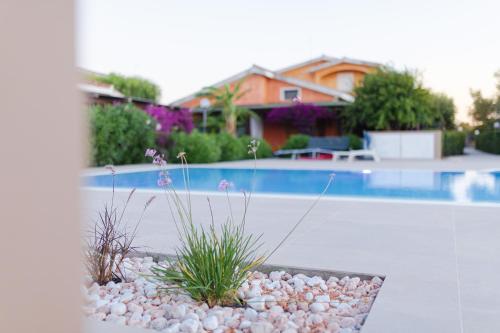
(469, 186)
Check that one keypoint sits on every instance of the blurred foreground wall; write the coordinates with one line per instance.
(40, 156)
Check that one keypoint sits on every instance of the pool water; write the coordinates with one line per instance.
(468, 186)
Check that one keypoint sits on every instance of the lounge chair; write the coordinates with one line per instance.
(338, 147)
(352, 154)
(318, 145)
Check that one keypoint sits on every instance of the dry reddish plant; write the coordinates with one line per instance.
(110, 240)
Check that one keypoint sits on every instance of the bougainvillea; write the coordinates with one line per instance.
(169, 120)
(302, 116)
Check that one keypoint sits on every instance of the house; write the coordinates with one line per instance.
(324, 81)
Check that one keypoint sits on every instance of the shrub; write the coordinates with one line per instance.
(296, 141)
(201, 148)
(131, 86)
(302, 116)
(355, 142)
(488, 141)
(110, 241)
(264, 150)
(453, 143)
(389, 100)
(119, 133)
(169, 120)
(231, 148)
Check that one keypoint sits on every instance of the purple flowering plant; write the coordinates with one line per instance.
(212, 263)
(111, 238)
(302, 116)
(169, 120)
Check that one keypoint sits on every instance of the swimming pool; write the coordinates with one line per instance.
(468, 186)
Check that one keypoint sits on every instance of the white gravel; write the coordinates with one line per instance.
(278, 302)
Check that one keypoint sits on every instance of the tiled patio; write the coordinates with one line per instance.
(442, 262)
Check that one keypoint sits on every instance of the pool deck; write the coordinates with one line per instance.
(441, 262)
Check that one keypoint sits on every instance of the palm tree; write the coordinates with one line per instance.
(225, 99)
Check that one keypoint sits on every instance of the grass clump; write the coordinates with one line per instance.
(209, 266)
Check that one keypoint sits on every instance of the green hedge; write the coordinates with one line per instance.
(355, 142)
(296, 141)
(120, 134)
(453, 143)
(209, 148)
(231, 148)
(488, 141)
(199, 147)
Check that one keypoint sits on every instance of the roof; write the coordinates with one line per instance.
(257, 70)
(343, 60)
(256, 107)
(329, 62)
(305, 63)
(100, 89)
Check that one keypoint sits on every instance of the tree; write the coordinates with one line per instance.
(225, 99)
(443, 111)
(484, 110)
(389, 100)
(131, 86)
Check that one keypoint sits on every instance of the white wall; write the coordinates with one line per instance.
(406, 144)
(256, 129)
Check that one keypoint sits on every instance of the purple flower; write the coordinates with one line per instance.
(110, 168)
(150, 152)
(164, 181)
(158, 160)
(302, 116)
(169, 119)
(224, 185)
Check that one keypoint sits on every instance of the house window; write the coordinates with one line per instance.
(288, 94)
(345, 82)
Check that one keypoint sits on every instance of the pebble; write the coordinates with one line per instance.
(190, 325)
(347, 322)
(279, 302)
(159, 323)
(245, 324)
(210, 323)
(276, 276)
(261, 327)
(257, 303)
(118, 309)
(317, 307)
(250, 314)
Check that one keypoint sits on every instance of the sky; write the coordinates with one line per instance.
(186, 45)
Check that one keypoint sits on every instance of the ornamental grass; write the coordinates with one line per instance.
(211, 263)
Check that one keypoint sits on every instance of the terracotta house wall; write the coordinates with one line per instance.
(262, 90)
(307, 95)
(328, 76)
(276, 134)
